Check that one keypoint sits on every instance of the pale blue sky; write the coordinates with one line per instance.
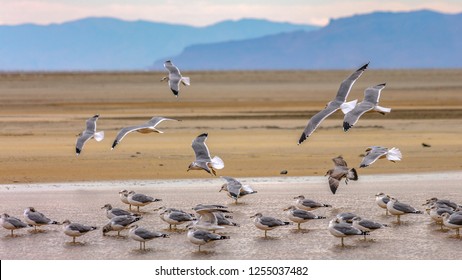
(205, 12)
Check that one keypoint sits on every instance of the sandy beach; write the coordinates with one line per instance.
(254, 120)
(417, 237)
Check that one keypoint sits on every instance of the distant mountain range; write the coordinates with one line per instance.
(113, 44)
(420, 39)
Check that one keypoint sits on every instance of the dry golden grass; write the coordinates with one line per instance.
(254, 120)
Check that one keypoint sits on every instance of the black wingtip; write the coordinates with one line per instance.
(362, 166)
(175, 92)
(302, 138)
(364, 67)
(203, 134)
(77, 151)
(382, 85)
(114, 144)
(355, 174)
(346, 126)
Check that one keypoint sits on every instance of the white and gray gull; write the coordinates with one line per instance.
(235, 189)
(342, 230)
(12, 223)
(74, 229)
(397, 208)
(139, 199)
(112, 212)
(203, 160)
(366, 225)
(267, 223)
(175, 78)
(300, 216)
(374, 153)
(147, 127)
(36, 219)
(88, 133)
(119, 223)
(308, 204)
(142, 235)
(370, 103)
(338, 103)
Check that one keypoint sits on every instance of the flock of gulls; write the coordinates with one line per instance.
(208, 220)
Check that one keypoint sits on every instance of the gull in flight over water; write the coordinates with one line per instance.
(370, 103)
(174, 78)
(144, 128)
(203, 159)
(338, 103)
(339, 172)
(88, 133)
(375, 152)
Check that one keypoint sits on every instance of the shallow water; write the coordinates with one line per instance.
(417, 237)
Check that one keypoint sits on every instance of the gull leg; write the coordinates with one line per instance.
(144, 245)
(299, 226)
(141, 248)
(73, 239)
(386, 212)
(199, 248)
(12, 235)
(399, 220)
(265, 234)
(342, 242)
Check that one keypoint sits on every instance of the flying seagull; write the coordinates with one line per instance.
(144, 128)
(339, 172)
(338, 103)
(88, 133)
(375, 152)
(174, 78)
(203, 159)
(235, 189)
(370, 102)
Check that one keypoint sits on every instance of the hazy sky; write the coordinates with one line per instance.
(204, 12)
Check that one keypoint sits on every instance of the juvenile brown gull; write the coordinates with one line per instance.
(88, 133)
(338, 103)
(339, 172)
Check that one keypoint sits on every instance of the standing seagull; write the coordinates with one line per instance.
(123, 194)
(300, 216)
(338, 103)
(308, 204)
(267, 223)
(370, 102)
(375, 152)
(74, 229)
(174, 78)
(453, 221)
(201, 237)
(382, 199)
(112, 212)
(142, 235)
(11, 223)
(203, 159)
(397, 208)
(339, 172)
(342, 230)
(119, 223)
(139, 199)
(235, 189)
(175, 217)
(32, 217)
(147, 127)
(88, 133)
(366, 225)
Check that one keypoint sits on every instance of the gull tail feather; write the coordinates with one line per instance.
(217, 163)
(99, 136)
(382, 109)
(186, 81)
(348, 106)
(394, 154)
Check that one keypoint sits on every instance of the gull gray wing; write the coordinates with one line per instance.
(142, 198)
(271, 222)
(347, 229)
(156, 120)
(38, 218)
(352, 117)
(91, 124)
(180, 216)
(126, 130)
(372, 94)
(206, 236)
(347, 84)
(82, 140)
(456, 218)
(146, 234)
(234, 186)
(316, 120)
(404, 207)
(120, 212)
(17, 223)
(373, 155)
(80, 228)
(306, 215)
(370, 224)
(200, 149)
